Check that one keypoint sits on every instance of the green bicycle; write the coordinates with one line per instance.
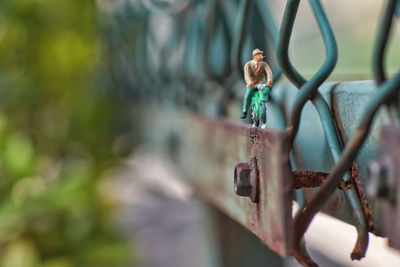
(259, 105)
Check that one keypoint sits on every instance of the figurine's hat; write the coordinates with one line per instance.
(257, 51)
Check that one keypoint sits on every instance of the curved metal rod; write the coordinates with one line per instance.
(328, 125)
(241, 27)
(272, 31)
(162, 6)
(310, 88)
(143, 64)
(176, 40)
(298, 80)
(240, 30)
(304, 218)
(178, 66)
(206, 68)
(397, 12)
(190, 70)
(229, 9)
(190, 66)
(168, 67)
(381, 42)
(282, 51)
(209, 31)
(210, 25)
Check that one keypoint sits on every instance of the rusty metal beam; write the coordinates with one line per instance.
(212, 171)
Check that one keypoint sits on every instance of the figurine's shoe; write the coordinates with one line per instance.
(264, 126)
(244, 115)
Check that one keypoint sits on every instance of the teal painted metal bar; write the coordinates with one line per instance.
(272, 31)
(191, 66)
(381, 42)
(211, 25)
(229, 8)
(380, 48)
(240, 31)
(398, 9)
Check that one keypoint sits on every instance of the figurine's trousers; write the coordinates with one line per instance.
(249, 94)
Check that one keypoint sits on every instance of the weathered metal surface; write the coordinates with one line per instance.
(384, 183)
(308, 179)
(214, 147)
(355, 175)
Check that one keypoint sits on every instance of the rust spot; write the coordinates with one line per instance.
(363, 198)
(346, 185)
(336, 116)
(253, 135)
(254, 141)
(308, 179)
(258, 212)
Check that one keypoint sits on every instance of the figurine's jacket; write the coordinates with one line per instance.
(257, 77)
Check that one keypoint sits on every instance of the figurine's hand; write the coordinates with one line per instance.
(250, 85)
(261, 86)
(270, 85)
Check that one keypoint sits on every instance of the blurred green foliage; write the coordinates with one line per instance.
(58, 125)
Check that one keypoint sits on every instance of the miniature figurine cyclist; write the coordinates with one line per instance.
(254, 76)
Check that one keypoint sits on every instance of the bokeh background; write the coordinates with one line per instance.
(62, 128)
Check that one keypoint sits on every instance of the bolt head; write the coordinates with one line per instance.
(242, 183)
(246, 180)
